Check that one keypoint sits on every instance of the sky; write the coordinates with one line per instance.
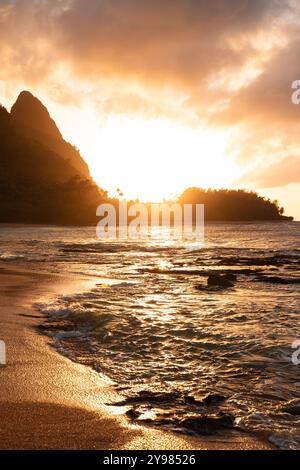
(160, 95)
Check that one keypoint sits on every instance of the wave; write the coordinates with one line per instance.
(11, 257)
(155, 328)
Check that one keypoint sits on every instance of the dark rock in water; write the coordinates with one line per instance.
(217, 280)
(293, 408)
(213, 398)
(208, 400)
(153, 397)
(132, 414)
(214, 280)
(207, 425)
(190, 400)
(149, 397)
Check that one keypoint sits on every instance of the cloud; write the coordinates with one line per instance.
(268, 98)
(170, 43)
(223, 63)
(267, 120)
(174, 43)
(26, 47)
(278, 174)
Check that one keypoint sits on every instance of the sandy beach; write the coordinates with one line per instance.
(49, 402)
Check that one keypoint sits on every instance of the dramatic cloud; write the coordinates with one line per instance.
(174, 43)
(221, 64)
(174, 40)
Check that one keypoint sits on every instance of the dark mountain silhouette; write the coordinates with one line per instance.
(43, 179)
(233, 205)
(29, 111)
(32, 119)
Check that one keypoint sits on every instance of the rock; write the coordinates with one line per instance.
(218, 280)
(30, 111)
(293, 410)
(132, 414)
(190, 400)
(153, 397)
(213, 398)
(146, 396)
(207, 425)
(292, 407)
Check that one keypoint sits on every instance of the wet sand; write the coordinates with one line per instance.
(49, 402)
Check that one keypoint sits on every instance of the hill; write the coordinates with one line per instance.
(233, 205)
(43, 178)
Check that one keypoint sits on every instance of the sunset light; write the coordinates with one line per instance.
(149, 232)
(156, 159)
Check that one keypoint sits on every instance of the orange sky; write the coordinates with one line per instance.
(162, 95)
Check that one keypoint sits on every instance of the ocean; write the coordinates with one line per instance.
(184, 356)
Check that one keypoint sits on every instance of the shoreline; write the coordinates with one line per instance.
(49, 402)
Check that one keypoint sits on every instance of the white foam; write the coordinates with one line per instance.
(10, 256)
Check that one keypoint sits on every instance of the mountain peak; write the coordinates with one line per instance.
(26, 94)
(30, 112)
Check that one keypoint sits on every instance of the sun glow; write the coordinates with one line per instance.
(153, 159)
